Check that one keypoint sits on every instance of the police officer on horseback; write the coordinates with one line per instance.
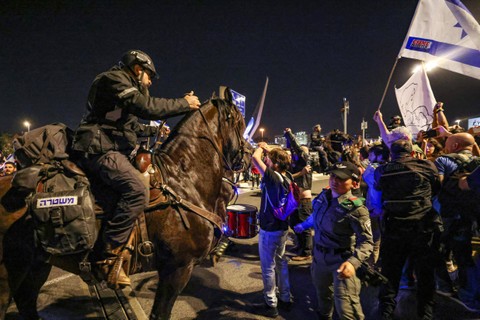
(107, 135)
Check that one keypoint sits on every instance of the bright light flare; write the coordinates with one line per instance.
(429, 66)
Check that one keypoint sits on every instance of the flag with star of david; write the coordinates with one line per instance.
(445, 33)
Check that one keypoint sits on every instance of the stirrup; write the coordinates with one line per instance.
(117, 276)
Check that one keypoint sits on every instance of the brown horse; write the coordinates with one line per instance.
(206, 146)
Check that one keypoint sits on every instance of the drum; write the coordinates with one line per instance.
(242, 221)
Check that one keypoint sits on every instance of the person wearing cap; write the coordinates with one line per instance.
(343, 241)
(105, 138)
(411, 226)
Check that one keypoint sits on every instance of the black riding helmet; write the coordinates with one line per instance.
(132, 57)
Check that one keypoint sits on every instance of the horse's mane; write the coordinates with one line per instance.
(184, 122)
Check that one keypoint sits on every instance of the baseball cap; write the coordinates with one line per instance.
(345, 170)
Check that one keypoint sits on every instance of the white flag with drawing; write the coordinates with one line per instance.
(416, 101)
(444, 33)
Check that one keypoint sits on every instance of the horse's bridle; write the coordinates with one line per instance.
(243, 150)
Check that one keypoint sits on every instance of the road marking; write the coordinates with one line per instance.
(59, 279)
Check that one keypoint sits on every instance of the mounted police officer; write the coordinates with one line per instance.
(107, 135)
(343, 241)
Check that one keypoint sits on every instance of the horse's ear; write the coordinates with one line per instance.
(214, 95)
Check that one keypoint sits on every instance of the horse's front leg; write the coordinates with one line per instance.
(169, 287)
(27, 292)
(26, 273)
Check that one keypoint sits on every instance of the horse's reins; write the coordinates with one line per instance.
(212, 217)
(215, 146)
(242, 145)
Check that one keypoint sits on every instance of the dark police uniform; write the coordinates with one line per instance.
(342, 233)
(410, 227)
(108, 134)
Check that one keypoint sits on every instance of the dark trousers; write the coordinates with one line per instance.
(420, 247)
(304, 239)
(457, 242)
(119, 190)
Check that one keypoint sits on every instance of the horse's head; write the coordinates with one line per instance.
(231, 125)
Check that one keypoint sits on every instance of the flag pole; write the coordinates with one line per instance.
(388, 83)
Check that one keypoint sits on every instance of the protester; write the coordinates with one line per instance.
(389, 136)
(316, 138)
(272, 237)
(343, 241)
(395, 122)
(255, 177)
(378, 154)
(459, 210)
(108, 134)
(411, 226)
(302, 173)
(9, 168)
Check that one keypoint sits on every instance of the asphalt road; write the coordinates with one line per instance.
(226, 291)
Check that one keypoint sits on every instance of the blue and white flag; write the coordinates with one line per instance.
(416, 100)
(444, 33)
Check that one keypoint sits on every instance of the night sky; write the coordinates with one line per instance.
(314, 53)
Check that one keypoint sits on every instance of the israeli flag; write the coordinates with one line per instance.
(444, 33)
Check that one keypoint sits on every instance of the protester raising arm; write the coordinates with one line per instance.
(439, 118)
(384, 132)
(257, 157)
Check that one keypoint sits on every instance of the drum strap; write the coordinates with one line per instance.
(210, 216)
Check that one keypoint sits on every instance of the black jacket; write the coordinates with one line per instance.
(115, 102)
(300, 159)
(407, 186)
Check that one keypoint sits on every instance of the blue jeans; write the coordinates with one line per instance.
(271, 247)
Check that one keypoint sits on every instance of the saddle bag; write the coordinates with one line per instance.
(42, 145)
(63, 213)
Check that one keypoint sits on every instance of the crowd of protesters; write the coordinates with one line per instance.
(415, 227)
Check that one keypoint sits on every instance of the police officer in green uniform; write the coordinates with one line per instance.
(343, 240)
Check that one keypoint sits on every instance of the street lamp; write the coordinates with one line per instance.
(27, 124)
(261, 131)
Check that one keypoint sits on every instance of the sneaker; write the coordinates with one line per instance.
(265, 310)
(285, 305)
